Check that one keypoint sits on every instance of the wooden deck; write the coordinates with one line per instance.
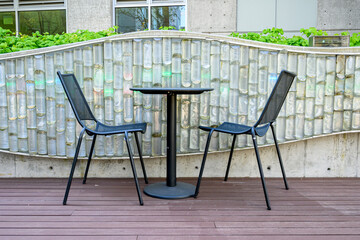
(108, 209)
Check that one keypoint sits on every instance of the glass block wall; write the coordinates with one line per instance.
(36, 118)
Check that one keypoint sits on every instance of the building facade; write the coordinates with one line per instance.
(207, 16)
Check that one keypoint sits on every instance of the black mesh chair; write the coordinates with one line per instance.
(266, 120)
(82, 112)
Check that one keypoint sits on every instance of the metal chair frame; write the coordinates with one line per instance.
(100, 129)
(260, 128)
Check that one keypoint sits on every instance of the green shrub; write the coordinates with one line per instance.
(276, 35)
(11, 43)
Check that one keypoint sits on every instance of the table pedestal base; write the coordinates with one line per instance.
(161, 190)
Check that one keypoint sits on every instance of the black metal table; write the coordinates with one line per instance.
(171, 189)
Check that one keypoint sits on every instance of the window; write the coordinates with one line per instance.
(139, 15)
(28, 16)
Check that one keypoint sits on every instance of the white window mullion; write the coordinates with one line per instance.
(149, 15)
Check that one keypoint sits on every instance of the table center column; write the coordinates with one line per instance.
(171, 140)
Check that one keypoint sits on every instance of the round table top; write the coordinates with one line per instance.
(171, 90)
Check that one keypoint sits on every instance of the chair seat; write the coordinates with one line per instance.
(103, 129)
(235, 128)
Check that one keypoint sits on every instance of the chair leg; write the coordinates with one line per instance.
(73, 166)
(260, 168)
(89, 158)
(230, 157)
(133, 168)
(203, 163)
(280, 160)
(141, 158)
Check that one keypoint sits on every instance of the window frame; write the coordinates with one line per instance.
(149, 4)
(17, 8)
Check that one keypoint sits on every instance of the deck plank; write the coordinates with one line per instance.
(313, 208)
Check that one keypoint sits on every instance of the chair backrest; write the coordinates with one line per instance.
(76, 98)
(277, 98)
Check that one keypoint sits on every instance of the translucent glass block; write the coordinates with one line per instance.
(234, 76)
(215, 63)
(166, 51)
(252, 110)
(280, 129)
(243, 104)
(214, 115)
(330, 84)
(320, 69)
(338, 121)
(138, 114)
(205, 77)
(215, 94)
(320, 93)
(42, 143)
(195, 48)
(157, 51)
(328, 123)
(204, 106)
(68, 63)
(225, 70)
(138, 52)
(127, 67)
(118, 76)
(233, 101)
(253, 73)
(32, 133)
(282, 61)
(98, 84)
(340, 66)
(223, 114)
(350, 65)
(318, 126)
(156, 75)
(347, 120)
(205, 53)
(292, 63)
(309, 108)
(310, 88)
(196, 71)
(23, 145)
(117, 51)
(311, 66)
(253, 89)
(109, 106)
(137, 75)
(186, 49)
(186, 74)
(194, 113)
(147, 48)
(338, 102)
(243, 81)
(128, 109)
(356, 120)
(263, 59)
(299, 123)
(176, 65)
(98, 51)
(301, 67)
(108, 50)
(184, 140)
(194, 139)
(263, 81)
(108, 71)
(100, 146)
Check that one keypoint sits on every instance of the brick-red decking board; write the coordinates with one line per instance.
(109, 209)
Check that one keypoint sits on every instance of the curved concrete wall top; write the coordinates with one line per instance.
(35, 117)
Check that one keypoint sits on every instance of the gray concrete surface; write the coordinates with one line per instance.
(327, 156)
(337, 16)
(93, 15)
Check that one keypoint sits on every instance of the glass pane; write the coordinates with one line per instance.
(131, 19)
(53, 21)
(7, 20)
(168, 16)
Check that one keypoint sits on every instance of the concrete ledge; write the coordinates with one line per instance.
(325, 156)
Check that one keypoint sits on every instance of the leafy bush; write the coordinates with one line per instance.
(9, 42)
(276, 35)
